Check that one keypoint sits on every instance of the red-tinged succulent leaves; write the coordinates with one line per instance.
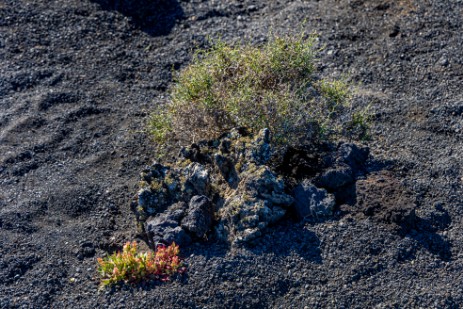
(131, 266)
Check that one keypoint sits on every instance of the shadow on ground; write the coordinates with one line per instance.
(426, 235)
(290, 238)
(154, 17)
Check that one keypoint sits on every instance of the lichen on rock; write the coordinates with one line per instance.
(230, 189)
(259, 200)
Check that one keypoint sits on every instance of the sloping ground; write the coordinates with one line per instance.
(77, 79)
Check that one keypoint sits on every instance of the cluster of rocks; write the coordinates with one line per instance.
(229, 189)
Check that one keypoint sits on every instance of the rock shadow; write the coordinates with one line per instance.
(154, 17)
(383, 199)
(425, 233)
(288, 238)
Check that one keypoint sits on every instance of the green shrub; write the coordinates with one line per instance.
(272, 86)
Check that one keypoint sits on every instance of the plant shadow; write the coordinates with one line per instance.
(154, 17)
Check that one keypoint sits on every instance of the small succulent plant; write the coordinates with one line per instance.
(130, 266)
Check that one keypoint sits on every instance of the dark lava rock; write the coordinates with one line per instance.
(147, 200)
(227, 168)
(348, 164)
(353, 156)
(199, 217)
(249, 195)
(157, 225)
(336, 178)
(177, 235)
(165, 227)
(312, 201)
(238, 181)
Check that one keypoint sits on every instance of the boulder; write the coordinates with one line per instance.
(165, 227)
(353, 156)
(198, 219)
(177, 235)
(335, 178)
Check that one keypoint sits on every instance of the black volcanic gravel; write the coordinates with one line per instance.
(77, 80)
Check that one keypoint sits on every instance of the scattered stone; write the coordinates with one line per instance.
(252, 8)
(86, 250)
(444, 61)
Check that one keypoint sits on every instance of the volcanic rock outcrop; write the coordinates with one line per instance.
(233, 188)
